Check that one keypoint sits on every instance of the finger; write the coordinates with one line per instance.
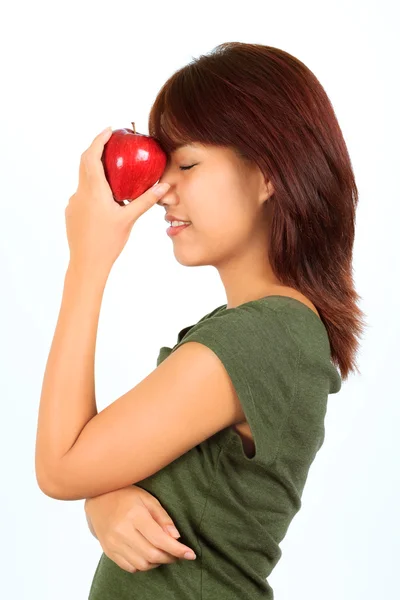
(122, 562)
(128, 564)
(143, 555)
(155, 535)
(91, 165)
(140, 205)
(160, 515)
(96, 148)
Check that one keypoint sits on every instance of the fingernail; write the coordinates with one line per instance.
(160, 189)
(173, 531)
(190, 555)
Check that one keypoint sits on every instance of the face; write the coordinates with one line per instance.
(223, 197)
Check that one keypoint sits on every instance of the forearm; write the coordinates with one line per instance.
(96, 502)
(67, 400)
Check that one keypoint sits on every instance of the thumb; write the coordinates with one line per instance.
(150, 197)
(159, 190)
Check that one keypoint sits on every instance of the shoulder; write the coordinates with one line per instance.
(250, 340)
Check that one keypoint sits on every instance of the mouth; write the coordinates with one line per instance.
(174, 230)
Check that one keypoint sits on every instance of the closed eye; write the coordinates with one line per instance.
(186, 168)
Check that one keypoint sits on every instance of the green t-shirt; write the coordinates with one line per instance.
(231, 509)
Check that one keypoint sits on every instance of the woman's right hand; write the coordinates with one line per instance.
(131, 526)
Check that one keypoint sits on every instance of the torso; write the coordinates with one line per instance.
(243, 429)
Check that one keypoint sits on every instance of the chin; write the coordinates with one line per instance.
(190, 262)
(188, 258)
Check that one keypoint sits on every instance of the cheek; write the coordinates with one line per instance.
(223, 227)
(213, 205)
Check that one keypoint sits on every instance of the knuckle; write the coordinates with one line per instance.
(85, 159)
(143, 564)
(111, 540)
(121, 564)
(132, 512)
(118, 530)
(125, 565)
(135, 511)
(109, 554)
(155, 555)
(111, 535)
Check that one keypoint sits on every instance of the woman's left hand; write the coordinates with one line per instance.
(97, 226)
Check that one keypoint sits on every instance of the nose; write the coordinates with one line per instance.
(162, 200)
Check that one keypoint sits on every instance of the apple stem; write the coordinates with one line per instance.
(133, 125)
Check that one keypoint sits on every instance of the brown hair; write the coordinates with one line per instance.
(270, 109)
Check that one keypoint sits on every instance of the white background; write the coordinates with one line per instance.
(70, 69)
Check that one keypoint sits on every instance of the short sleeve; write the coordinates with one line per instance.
(165, 351)
(262, 359)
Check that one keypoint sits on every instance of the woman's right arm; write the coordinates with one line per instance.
(131, 526)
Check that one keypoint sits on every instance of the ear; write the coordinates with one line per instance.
(266, 189)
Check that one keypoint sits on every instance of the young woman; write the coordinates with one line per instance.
(223, 432)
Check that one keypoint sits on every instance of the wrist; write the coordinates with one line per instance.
(84, 274)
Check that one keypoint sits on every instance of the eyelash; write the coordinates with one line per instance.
(186, 168)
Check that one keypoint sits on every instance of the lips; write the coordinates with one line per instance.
(170, 218)
(175, 230)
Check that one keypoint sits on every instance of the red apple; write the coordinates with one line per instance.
(133, 163)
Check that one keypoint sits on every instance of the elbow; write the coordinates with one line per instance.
(48, 488)
(49, 484)
(54, 489)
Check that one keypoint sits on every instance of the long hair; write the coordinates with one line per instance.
(271, 110)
